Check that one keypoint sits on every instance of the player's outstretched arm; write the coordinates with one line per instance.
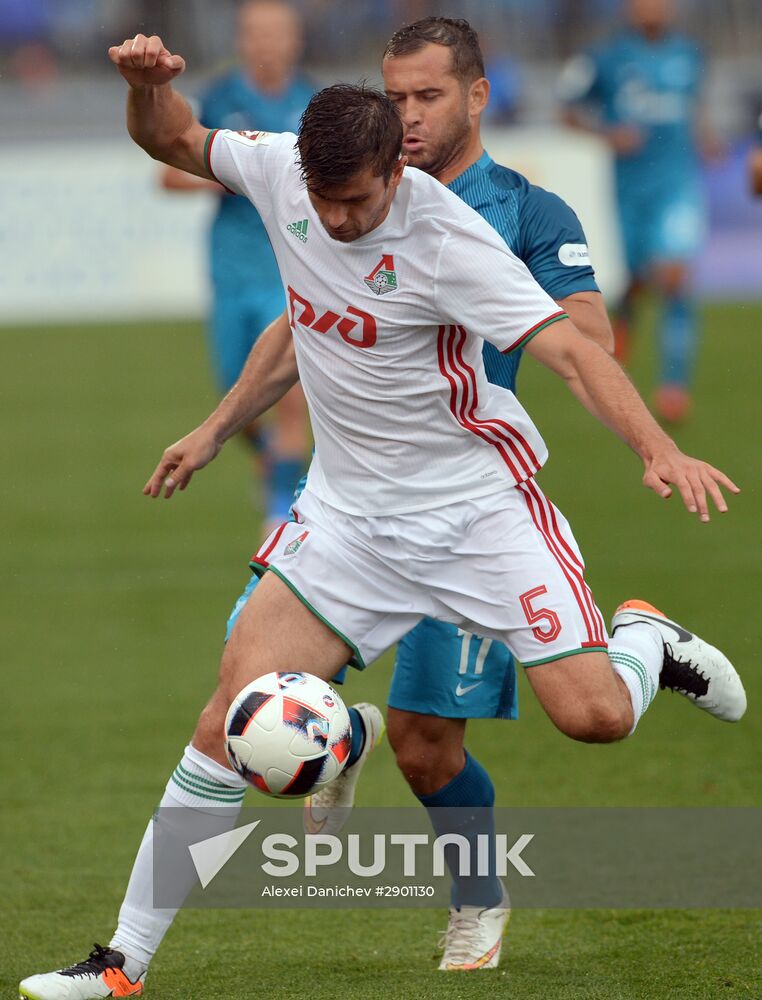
(268, 374)
(604, 389)
(158, 118)
(587, 311)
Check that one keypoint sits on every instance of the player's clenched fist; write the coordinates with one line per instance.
(145, 61)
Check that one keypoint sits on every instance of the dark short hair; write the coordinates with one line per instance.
(455, 34)
(346, 129)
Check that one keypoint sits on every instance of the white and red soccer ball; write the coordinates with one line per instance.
(288, 734)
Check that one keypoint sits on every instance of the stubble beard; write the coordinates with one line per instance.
(435, 160)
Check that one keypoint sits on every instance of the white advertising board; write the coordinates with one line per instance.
(86, 232)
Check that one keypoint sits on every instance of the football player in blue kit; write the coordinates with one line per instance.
(755, 161)
(641, 91)
(434, 73)
(267, 92)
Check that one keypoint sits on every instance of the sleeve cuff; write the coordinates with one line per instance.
(208, 143)
(524, 339)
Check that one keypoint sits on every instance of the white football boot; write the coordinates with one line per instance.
(691, 666)
(474, 937)
(328, 810)
(102, 974)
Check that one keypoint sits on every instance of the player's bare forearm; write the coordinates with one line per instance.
(159, 119)
(587, 311)
(604, 389)
(600, 385)
(173, 179)
(268, 374)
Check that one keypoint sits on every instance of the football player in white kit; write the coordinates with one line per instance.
(421, 498)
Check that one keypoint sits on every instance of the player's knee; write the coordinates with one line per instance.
(208, 736)
(597, 721)
(428, 751)
(425, 772)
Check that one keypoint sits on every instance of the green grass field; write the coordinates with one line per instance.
(112, 614)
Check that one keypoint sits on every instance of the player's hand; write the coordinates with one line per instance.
(181, 460)
(695, 480)
(145, 61)
(625, 140)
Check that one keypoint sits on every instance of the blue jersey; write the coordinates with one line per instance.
(653, 86)
(539, 228)
(241, 256)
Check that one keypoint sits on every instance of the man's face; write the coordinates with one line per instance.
(349, 211)
(651, 15)
(269, 38)
(433, 106)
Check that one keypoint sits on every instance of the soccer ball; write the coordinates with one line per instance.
(288, 734)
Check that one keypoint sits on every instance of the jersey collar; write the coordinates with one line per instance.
(461, 182)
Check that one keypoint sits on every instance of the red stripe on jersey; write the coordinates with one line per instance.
(577, 566)
(539, 522)
(599, 629)
(457, 405)
(577, 585)
(456, 345)
(561, 314)
(514, 435)
(503, 432)
(261, 556)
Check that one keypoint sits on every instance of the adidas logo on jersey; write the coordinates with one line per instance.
(298, 229)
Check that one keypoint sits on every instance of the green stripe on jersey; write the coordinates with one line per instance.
(208, 149)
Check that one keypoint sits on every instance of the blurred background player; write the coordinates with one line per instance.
(755, 162)
(641, 91)
(267, 92)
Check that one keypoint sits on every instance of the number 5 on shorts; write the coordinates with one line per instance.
(534, 615)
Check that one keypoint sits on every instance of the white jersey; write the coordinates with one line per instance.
(389, 332)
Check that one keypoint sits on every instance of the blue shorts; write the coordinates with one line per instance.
(440, 670)
(236, 322)
(671, 227)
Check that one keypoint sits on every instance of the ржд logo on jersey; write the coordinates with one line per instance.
(358, 332)
(383, 278)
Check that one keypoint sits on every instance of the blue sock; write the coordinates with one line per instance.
(358, 735)
(679, 335)
(283, 476)
(465, 806)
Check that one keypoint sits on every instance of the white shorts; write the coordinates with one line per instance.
(505, 566)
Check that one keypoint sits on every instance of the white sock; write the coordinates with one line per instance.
(200, 785)
(636, 653)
